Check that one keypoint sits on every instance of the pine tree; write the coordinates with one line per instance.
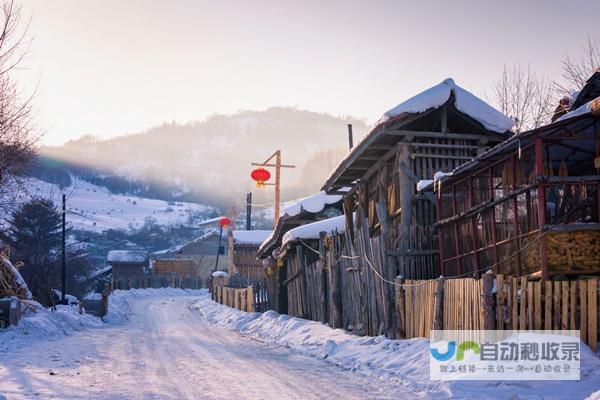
(34, 234)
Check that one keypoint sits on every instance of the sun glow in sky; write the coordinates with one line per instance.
(114, 67)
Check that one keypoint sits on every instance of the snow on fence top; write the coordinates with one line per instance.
(313, 204)
(250, 237)
(465, 102)
(129, 256)
(312, 231)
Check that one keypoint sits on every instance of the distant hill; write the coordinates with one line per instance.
(207, 161)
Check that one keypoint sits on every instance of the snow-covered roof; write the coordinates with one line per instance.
(465, 102)
(130, 256)
(591, 107)
(250, 237)
(313, 204)
(312, 230)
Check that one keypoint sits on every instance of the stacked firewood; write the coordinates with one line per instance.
(568, 251)
(574, 250)
(11, 281)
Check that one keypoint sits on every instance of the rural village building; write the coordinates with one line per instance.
(242, 248)
(296, 213)
(389, 226)
(535, 196)
(197, 257)
(127, 264)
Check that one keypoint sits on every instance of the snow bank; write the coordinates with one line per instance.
(465, 102)
(312, 230)
(404, 362)
(251, 237)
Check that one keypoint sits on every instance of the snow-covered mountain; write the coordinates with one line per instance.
(208, 161)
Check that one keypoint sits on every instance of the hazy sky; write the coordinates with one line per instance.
(114, 67)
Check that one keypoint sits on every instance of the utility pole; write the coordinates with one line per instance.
(278, 165)
(350, 138)
(64, 258)
(249, 211)
(218, 247)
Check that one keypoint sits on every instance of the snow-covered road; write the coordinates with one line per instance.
(167, 351)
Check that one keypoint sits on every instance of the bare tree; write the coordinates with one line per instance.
(17, 133)
(525, 97)
(577, 69)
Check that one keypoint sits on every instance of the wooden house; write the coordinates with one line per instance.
(530, 205)
(316, 207)
(127, 264)
(178, 267)
(389, 226)
(243, 264)
(202, 251)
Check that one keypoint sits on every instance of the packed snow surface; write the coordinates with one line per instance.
(404, 363)
(251, 237)
(130, 256)
(178, 344)
(465, 102)
(154, 346)
(312, 230)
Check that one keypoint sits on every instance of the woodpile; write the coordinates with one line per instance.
(573, 251)
(11, 281)
(567, 251)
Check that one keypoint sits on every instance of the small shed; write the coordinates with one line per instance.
(127, 264)
(243, 264)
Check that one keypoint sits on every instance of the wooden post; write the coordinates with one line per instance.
(541, 200)
(489, 317)
(438, 312)
(277, 185)
(335, 283)
(406, 191)
(400, 310)
(323, 269)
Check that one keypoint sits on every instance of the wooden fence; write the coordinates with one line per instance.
(516, 304)
(160, 281)
(241, 298)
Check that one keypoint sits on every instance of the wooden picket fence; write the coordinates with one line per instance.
(240, 298)
(160, 281)
(516, 304)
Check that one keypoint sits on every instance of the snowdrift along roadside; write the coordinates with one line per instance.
(39, 322)
(404, 362)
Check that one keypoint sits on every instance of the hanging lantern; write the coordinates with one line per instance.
(260, 175)
(224, 222)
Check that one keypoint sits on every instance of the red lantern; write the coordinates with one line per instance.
(260, 175)
(224, 222)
